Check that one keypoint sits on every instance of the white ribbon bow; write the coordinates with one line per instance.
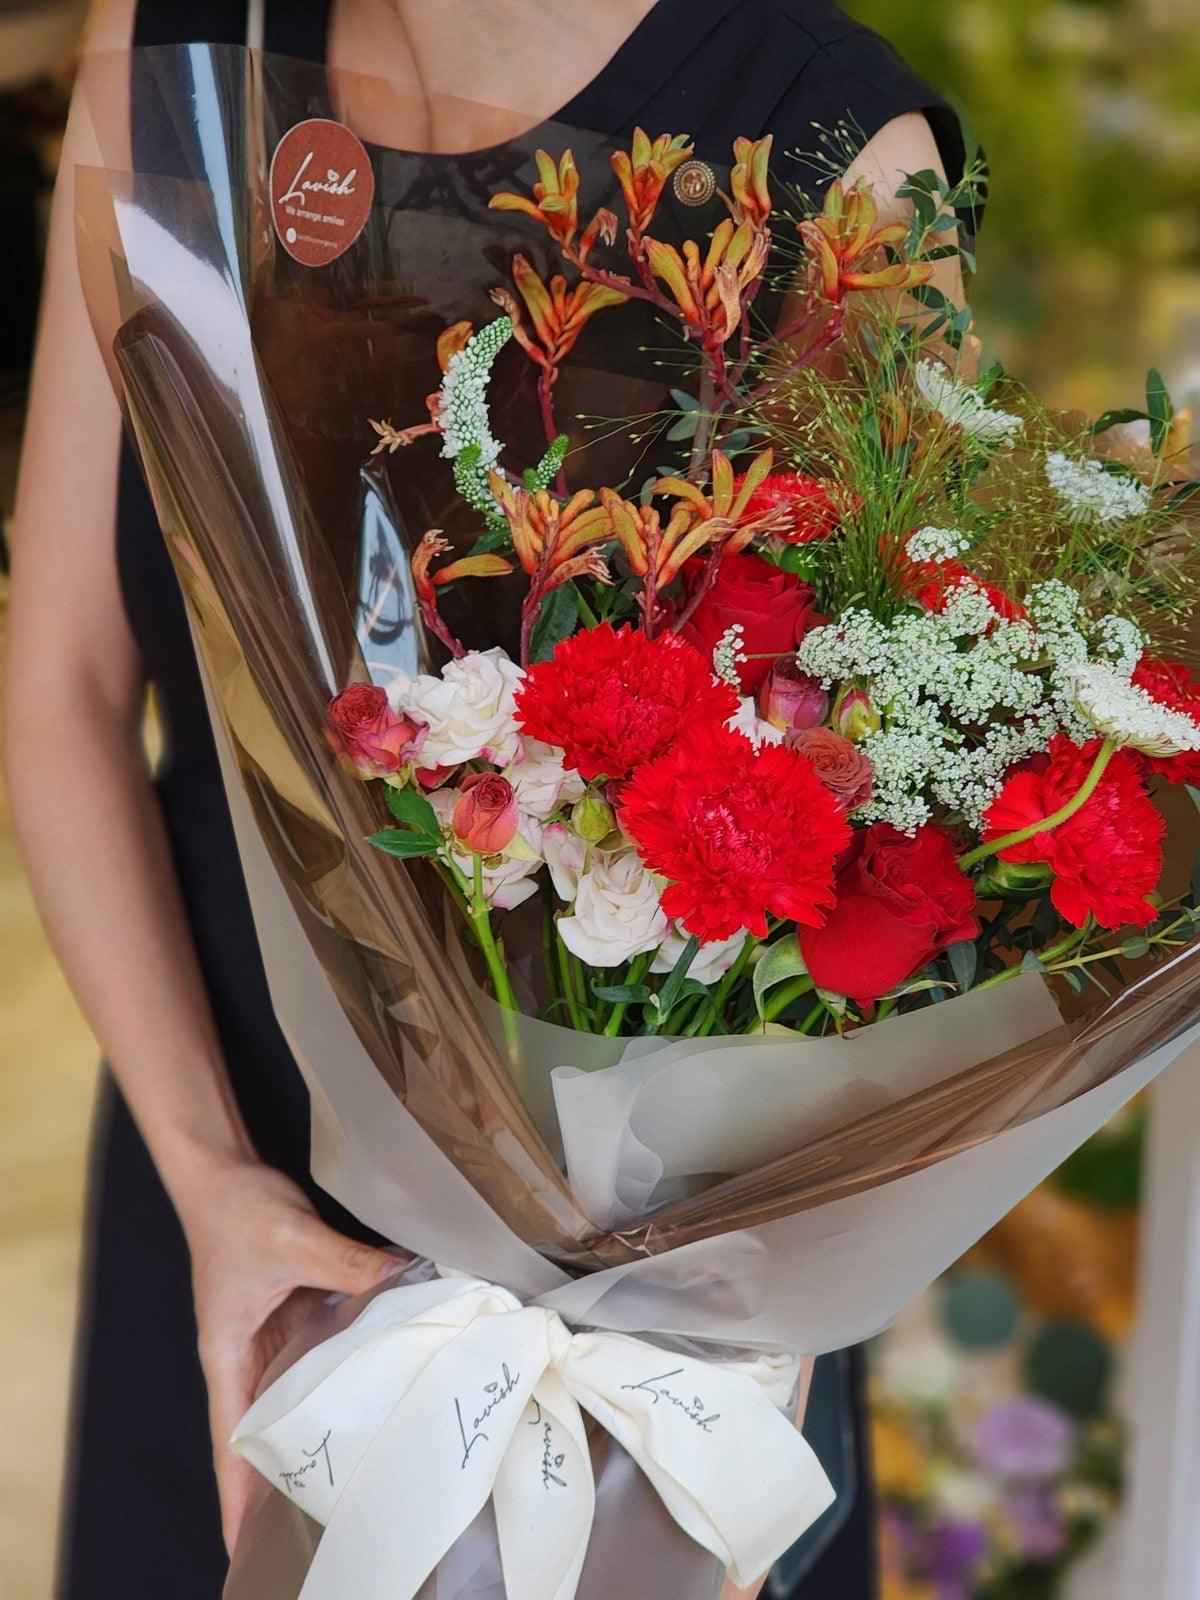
(394, 1433)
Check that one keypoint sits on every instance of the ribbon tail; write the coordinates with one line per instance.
(545, 1497)
(728, 1465)
(430, 1469)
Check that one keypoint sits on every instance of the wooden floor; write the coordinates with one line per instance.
(47, 1072)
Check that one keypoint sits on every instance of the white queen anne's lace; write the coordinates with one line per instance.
(964, 407)
(1091, 494)
(964, 693)
(937, 544)
(1120, 710)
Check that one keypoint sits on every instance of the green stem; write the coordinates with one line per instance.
(568, 986)
(636, 973)
(481, 921)
(1064, 813)
(723, 990)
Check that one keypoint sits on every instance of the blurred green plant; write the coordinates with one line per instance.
(1090, 114)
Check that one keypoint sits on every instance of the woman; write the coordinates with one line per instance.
(201, 1139)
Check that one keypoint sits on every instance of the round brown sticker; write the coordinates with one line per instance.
(322, 187)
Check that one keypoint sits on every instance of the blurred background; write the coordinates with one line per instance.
(999, 1401)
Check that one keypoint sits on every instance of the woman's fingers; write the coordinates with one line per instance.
(230, 1391)
(326, 1259)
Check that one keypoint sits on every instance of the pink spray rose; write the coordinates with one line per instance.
(840, 765)
(790, 699)
(377, 741)
(486, 816)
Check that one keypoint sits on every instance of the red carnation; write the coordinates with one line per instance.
(1172, 685)
(1107, 858)
(931, 583)
(901, 901)
(739, 833)
(773, 608)
(611, 699)
(811, 513)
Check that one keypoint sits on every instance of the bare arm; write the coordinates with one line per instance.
(99, 862)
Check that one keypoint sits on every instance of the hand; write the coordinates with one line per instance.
(262, 1261)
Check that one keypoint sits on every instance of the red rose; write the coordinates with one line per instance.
(1172, 685)
(901, 901)
(486, 817)
(376, 740)
(774, 609)
(804, 508)
(1107, 858)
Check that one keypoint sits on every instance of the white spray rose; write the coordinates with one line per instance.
(617, 914)
(541, 783)
(746, 720)
(710, 963)
(469, 709)
(566, 856)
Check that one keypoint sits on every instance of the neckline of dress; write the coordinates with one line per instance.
(641, 63)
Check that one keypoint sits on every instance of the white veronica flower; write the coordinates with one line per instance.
(469, 709)
(616, 913)
(1093, 495)
(963, 406)
(1120, 710)
(462, 399)
(540, 781)
(710, 963)
(937, 544)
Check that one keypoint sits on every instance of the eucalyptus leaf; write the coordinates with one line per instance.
(685, 428)
(622, 994)
(964, 962)
(780, 962)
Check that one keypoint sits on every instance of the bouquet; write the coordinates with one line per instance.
(773, 854)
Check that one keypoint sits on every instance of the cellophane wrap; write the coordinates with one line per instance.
(770, 1193)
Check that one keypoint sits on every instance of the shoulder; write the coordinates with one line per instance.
(109, 26)
(845, 74)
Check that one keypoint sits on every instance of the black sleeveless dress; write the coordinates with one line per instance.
(140, 1514)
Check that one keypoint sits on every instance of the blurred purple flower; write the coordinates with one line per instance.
(1037, 1524)
(1027, 1439)
(956, 1551)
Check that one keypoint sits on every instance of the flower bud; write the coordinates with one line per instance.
(592, 818)
(855, 714)
(790, 700)
(1007, 880)
(486, 817)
